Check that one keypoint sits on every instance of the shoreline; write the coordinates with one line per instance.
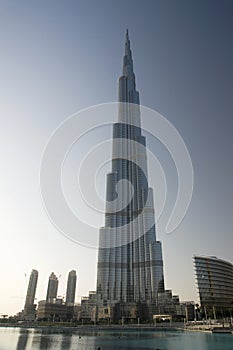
(92, 327)
(121, 328)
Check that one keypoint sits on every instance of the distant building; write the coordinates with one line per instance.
(89, 307)
(52, 288)
(215, 285)
(77, 312)
(71, 288)
(186, 309)
(52, 311)
(55, 309)
(29, 307)
(167, 303)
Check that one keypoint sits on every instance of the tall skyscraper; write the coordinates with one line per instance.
(130, 269)
(71, 288)
(52, 288)
(29, 307)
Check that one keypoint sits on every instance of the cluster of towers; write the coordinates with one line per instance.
(29, 311)
(129, 273)
(130, 277)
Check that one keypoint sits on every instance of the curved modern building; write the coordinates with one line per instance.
(215, 283)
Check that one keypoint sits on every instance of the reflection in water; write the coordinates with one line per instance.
(80, 339)
(190, 341)
(22, 339)
(66, 341)
(45, 342)
(42, 340)
(49, 341)
(135, 340)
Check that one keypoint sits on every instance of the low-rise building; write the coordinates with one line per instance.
(54, 311)
(90, 306)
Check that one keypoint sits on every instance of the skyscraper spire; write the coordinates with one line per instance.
(127, 84)
(128, 61)
(127, 35)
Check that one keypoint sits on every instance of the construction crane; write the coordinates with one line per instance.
(26, 280)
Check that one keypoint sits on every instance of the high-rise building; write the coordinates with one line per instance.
(52, 288)
(71, 288)
(130, 269)
(215, 285)
(29, 307)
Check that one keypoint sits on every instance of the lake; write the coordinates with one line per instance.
(35, 339)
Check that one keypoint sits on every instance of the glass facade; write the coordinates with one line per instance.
(215, 283)
(71, 288)
(29, 307)
(52, 288)
(130, 269)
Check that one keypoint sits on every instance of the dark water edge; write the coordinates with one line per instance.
(15, 338)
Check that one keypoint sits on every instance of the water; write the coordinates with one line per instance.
(35, 339)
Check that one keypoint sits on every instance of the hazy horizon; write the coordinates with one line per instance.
(60, 57)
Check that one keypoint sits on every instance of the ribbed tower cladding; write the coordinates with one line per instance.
(71, 288)
(130, 269)
(31, 292)
(52, 288)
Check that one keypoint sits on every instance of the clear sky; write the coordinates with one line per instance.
(58, 57)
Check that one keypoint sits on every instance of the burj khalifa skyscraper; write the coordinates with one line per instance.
(130, 263)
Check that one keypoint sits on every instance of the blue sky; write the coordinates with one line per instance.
(58, 57)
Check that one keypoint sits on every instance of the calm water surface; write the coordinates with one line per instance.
(34, 339)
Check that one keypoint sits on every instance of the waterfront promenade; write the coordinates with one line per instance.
(89, 328)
